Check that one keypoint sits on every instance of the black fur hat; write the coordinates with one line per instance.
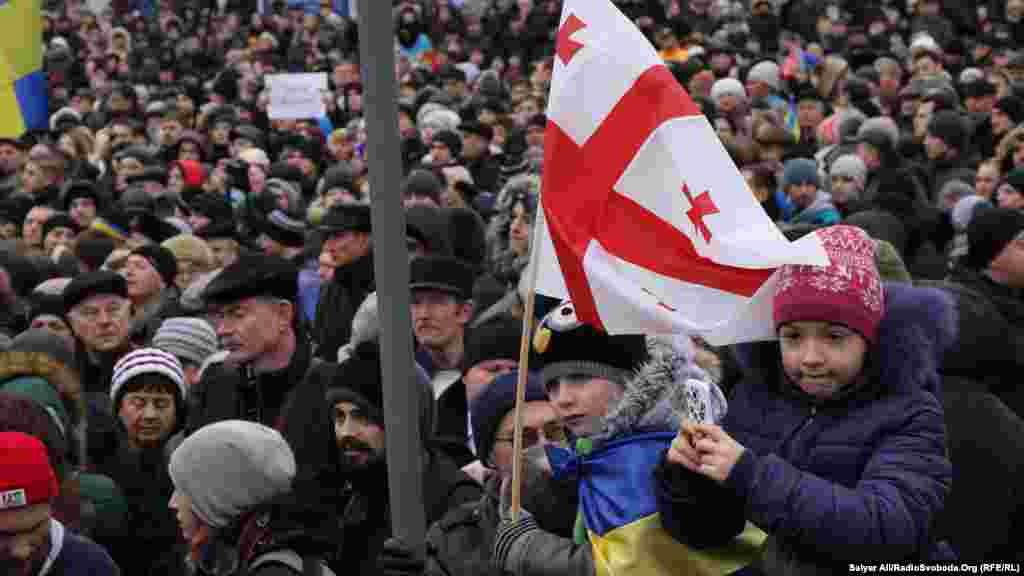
(566, 346)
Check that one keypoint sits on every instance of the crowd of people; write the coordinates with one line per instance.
(190, 369)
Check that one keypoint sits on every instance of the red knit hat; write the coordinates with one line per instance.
(26, 477)
(848, 291)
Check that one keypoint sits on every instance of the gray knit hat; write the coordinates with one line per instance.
(190, 339)
(229, 467)
(852, 166)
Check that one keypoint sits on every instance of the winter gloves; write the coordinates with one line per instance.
(512, 535)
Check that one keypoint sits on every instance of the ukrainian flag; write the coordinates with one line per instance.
(620, 511)
(23, 89)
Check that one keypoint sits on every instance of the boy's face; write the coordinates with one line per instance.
(802, 195)
(821, 358)
(581, 402)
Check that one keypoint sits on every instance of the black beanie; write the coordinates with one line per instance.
(948, 126)
(498, 339)
(59, 220)
(161, 259)
(565, 346)
(358, 380)
(989, 232)
(495, 401)
(92, 283)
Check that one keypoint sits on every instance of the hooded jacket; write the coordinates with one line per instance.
(662, 392)
(873, 461)
(821, 212)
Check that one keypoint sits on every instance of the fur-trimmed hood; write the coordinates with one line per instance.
(918, 328)
(670, 386)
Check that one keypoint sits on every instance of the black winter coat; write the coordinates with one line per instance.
(339, 301)
(151, 526)
(365, 514)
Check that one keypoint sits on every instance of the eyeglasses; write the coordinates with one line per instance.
(112, 311)
(550, 432)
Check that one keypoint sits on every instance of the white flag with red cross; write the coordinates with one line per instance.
(646, 223)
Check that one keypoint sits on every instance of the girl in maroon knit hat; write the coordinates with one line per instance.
(835, 442)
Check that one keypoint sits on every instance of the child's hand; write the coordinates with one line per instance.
(683, 450)
(718, 452)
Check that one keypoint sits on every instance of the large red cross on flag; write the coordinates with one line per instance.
(647, 225)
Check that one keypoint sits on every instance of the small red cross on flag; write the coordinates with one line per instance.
(566, 46)
(623, 138)
(700, 207)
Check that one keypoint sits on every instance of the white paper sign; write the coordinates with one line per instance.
(296, 96)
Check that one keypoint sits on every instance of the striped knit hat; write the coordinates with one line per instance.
(145, 361)
(190, 339)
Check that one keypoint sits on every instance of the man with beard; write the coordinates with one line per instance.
(355, 398)
(34, 543)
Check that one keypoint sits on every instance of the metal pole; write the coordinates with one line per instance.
(401, 396)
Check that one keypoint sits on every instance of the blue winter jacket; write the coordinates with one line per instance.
(859, 478)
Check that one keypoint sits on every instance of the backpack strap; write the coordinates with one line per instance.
(308, 566)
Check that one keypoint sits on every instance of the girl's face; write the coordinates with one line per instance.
(821, 358)
(519, 230)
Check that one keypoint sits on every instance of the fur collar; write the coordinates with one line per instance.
(665, 389)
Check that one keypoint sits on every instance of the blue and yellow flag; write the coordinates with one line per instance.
(23, 89)
(620, 511)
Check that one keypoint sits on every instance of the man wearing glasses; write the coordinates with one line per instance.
(99, 311)
(462, 541)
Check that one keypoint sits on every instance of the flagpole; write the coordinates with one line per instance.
(524, 366)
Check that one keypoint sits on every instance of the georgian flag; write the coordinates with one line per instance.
(646, 223)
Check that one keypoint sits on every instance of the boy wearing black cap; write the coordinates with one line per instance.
(346, 230)
(150, 271)
(442, 306)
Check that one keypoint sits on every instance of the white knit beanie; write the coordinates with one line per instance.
(727, 86)
(229, 467)
(146, 361)
(766, 71)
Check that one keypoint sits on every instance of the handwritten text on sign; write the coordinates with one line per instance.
(296, 96)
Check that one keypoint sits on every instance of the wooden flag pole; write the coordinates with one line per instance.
(524, 366)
